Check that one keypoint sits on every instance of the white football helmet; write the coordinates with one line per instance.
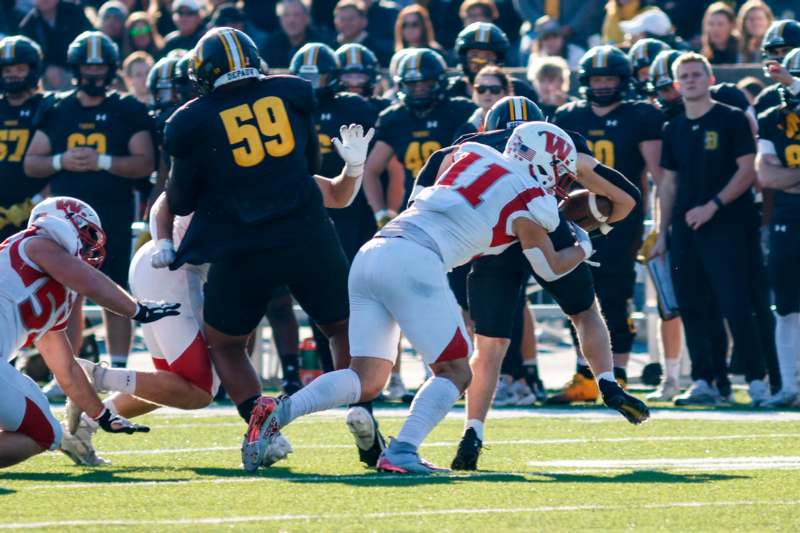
(83, 218)
(547, 153)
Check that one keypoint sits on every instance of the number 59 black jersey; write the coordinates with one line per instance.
(254, 149)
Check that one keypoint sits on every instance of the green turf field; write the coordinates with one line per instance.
(555, 472)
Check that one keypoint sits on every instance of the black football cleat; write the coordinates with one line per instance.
(469, 449)
(632, 408)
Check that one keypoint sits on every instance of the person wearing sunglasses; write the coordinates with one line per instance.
(189, 23)
(491, 84)
(141, 35)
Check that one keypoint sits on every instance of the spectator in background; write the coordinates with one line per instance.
(477, 11)
(135, 68)
(350, 20)
(651, 23)
(381, 17)
(550, 77)
(53, 24)
(491, 84)
(111, 20)
(140, 34)
(550, 42)
(295, 31)
(188, 20)
(160, 12)
(720, 37)
(579, 19)
(686, 15)
(752, 23)
(413, 29)
(618, 11)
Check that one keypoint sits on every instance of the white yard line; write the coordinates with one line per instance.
(435, 444)
(715, 464)
(215, 521)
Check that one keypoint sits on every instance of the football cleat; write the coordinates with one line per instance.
(262, 430)
(524, 395)
(699, 393)
(782, 398)
(503, 394)
(579, 389)
(759, 393)
(403, 458)
(364, 428)
(78, 446)
(633, 409)
(469, 449)
(278, 450)
(666, 391)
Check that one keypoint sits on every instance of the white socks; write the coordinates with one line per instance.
(787, 342)
(117, 379)
(475, 424)
(672, 369)
(431, 404)
(334, 389)
(609, 376)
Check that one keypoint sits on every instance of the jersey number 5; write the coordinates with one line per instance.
(271, 134)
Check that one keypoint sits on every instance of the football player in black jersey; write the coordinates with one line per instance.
(161, 83)
(423, 121)
(478, 45)
(354, 224)
(358, 74)
(20, 70)
(497, 283)
(96, 145)
(626, 136)
(258, 233)
(781, 37)
(641, 55)
(778, 167)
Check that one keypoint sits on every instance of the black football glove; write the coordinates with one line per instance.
(118, 424)
(147, 311)
(632, 408)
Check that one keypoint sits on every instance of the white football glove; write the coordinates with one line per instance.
(585, 242)
(353, 147)
(164, 254)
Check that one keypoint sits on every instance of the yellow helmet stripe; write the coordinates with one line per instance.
(227, 48)
(239, 50)
(511, 110)
(524, 110)
(315, 54)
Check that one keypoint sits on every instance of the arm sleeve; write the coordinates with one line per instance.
(743, 141)
(667, 158)
(183, 188)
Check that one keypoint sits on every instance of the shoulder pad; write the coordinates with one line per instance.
(60, 231)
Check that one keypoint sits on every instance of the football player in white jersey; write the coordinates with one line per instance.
(482, 203)
(42, 271)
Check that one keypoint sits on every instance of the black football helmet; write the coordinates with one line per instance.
(481, 36)
(185, 87)
(93, 48)
(641, 55)
(160, 82)
(357, 58)
(511, 111)
(661, 77)
(781, 34)
(421, 64)
(19, 50)
(791, 63)
(222, 56)
(604, 60)
(313, 61)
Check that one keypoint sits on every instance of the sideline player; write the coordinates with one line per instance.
(483, 202)
(782, 36)
(257, 233)
(778, 167)
(20, 70)
(626, 136)
(42, 270)
(496, 284)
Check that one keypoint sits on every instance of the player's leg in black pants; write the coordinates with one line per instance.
(286, 336)
(764, 315)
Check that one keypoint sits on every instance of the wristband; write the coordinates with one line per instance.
(353, 171)
(717, 201)
(56, 162)
(104, 162)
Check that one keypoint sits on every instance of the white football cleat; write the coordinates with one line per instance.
(79, 447)
(279, 449)
(666, 391)
(523, 393)
(699, 393)
(759, 392)
(782, 398)
(503, 394)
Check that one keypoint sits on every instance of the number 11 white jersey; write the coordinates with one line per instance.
(470, 210)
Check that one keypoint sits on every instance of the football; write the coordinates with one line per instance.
(586, 209)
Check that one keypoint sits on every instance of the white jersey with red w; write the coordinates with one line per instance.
(31, 302)
(471, 208)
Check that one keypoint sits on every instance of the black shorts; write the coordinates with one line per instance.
(783, 260)
(116, 220)
(458, 284)
(238, 290)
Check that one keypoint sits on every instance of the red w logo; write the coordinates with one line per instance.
(68, 206)
(556, 145)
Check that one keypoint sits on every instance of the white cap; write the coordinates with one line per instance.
(652, 21)
(194, 5)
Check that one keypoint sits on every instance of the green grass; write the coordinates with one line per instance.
(322, 487)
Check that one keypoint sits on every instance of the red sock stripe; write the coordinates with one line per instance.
(36, 425)
(456, 349)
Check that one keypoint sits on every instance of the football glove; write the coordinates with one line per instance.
(585, 242)
(147, 311)
(632, 408)
(117, 424)
(353, 147)
(164, 254)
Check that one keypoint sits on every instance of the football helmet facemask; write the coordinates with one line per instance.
(83, 218)
(19, 50)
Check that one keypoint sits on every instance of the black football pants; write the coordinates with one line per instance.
(718, 274)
